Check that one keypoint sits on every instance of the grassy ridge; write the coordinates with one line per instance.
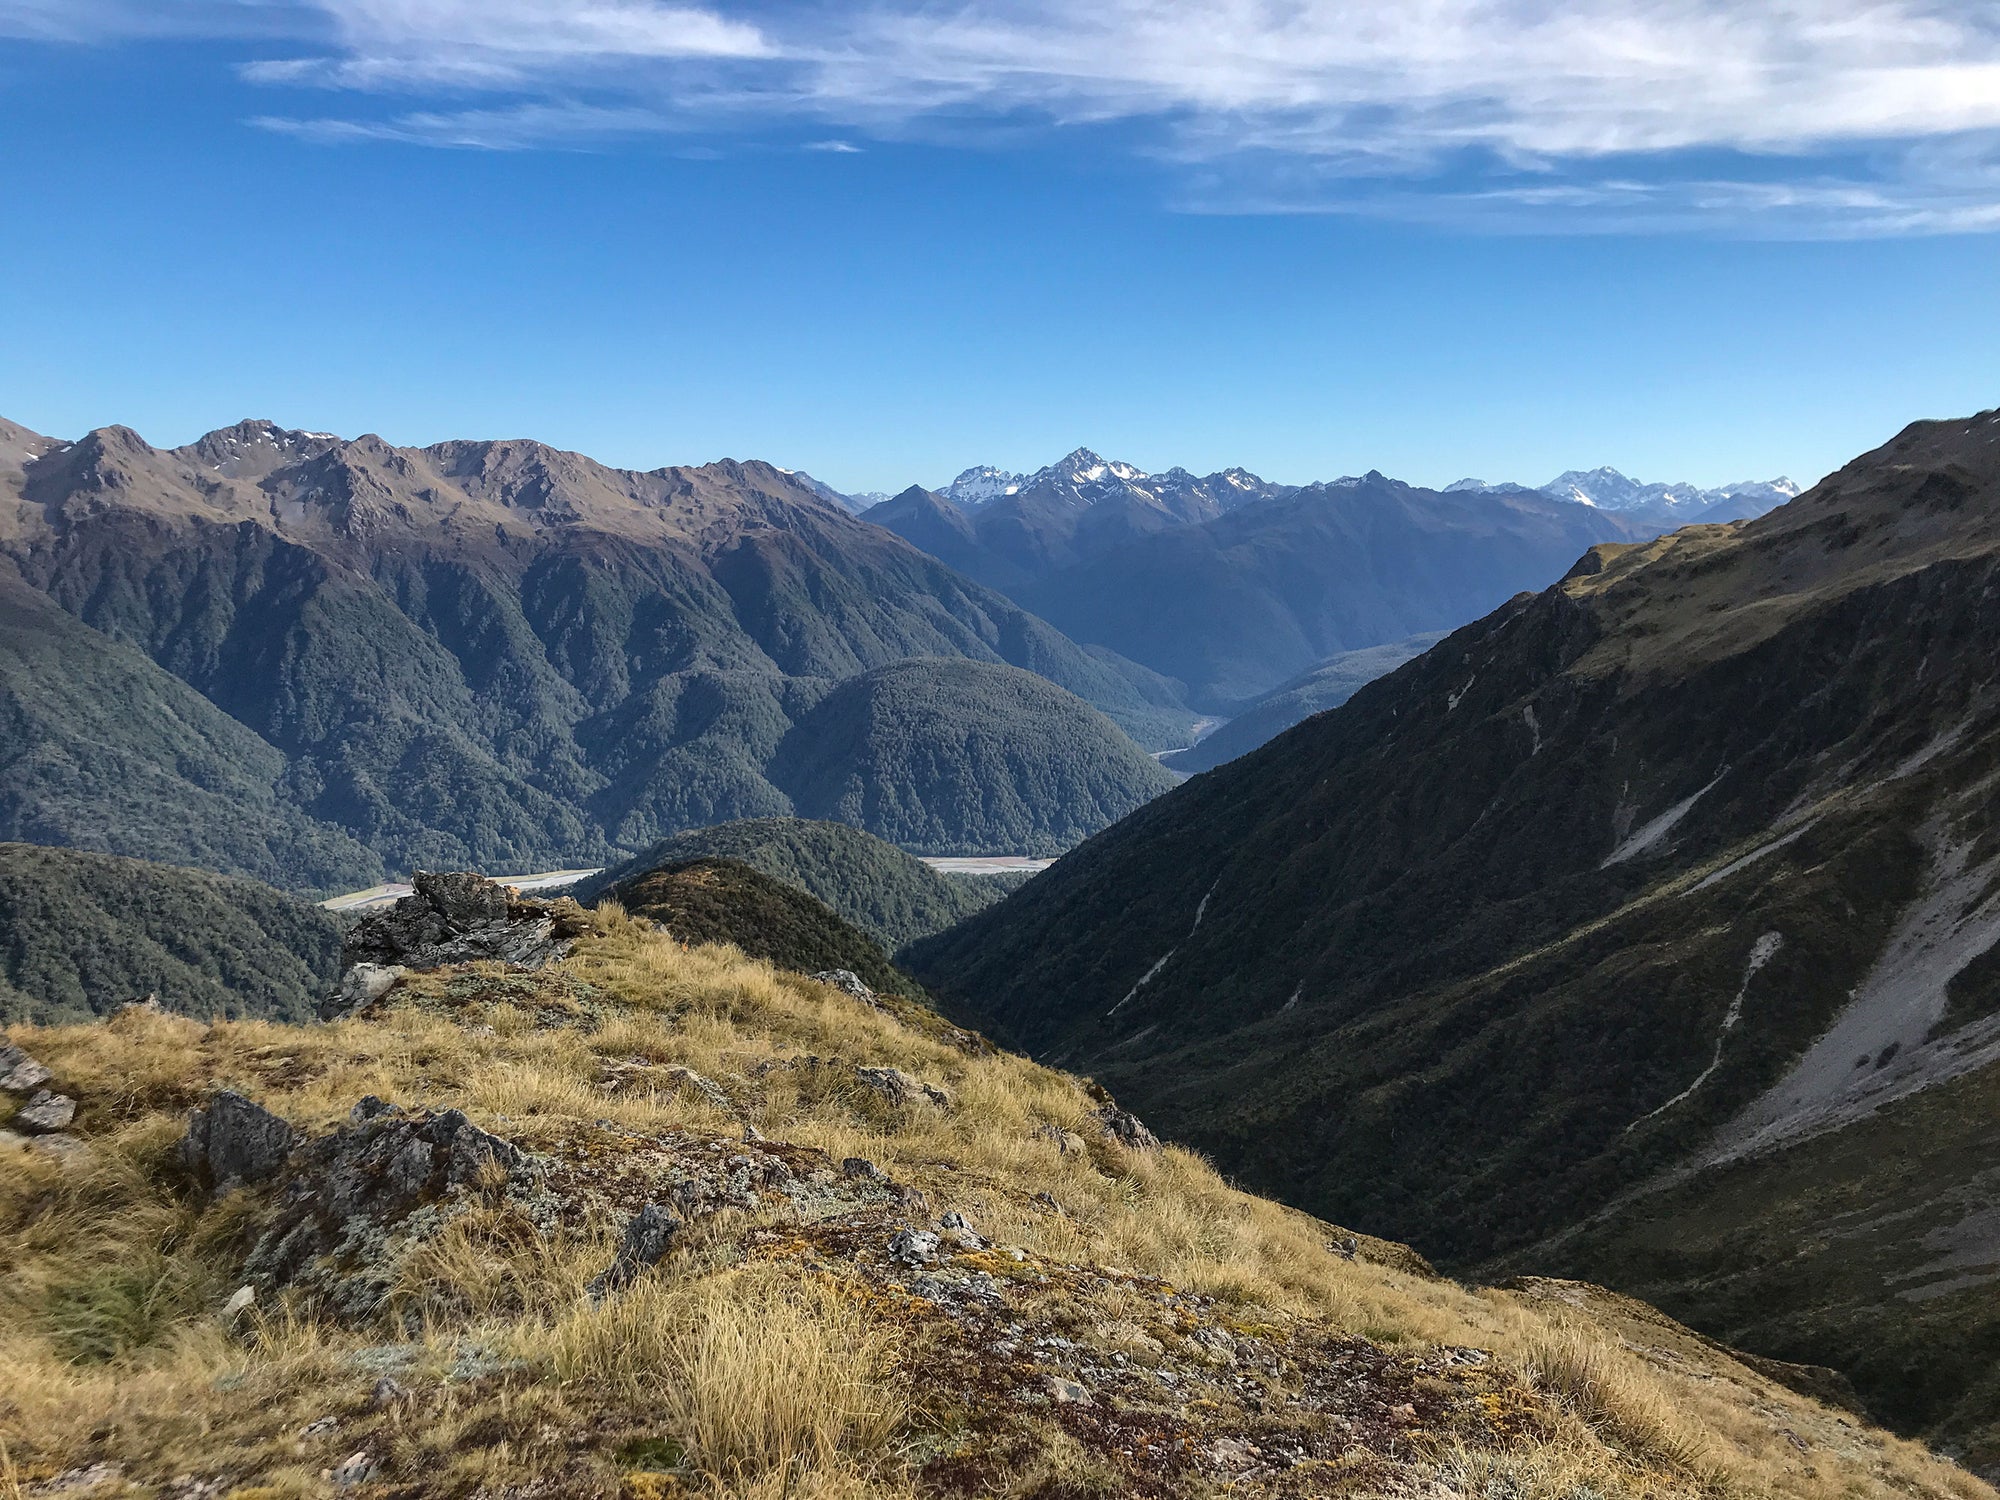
(776, 1349)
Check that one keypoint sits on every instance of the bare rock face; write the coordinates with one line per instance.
(20, 1073)
(235, 1142)
(452, 918)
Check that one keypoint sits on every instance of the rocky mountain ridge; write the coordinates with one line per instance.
(488, 654)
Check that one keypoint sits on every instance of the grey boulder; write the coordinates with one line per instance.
(235, 1142)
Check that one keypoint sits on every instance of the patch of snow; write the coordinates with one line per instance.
(1528, 714)
(1451, 699)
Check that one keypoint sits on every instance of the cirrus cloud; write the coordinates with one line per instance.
(1788, 116)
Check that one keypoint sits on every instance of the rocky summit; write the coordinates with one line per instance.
(651, 1219)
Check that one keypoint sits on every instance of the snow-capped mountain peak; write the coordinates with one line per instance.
(981, 483)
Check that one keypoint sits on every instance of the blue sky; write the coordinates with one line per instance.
(885, 241)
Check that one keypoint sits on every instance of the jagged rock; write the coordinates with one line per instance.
(915, 1247)
(240, 1301)
(459, 918)
(861, 1166)
(1126, 1128)
(361, 986)
(235, 1142)
(899, 1088)
(648, 1235)
(20, 1073)
(1064, 1391)
(45, 1113)
(954, 1227)
(349, 1192)
(147, 1004)
(848, 983)
(1067, 1142)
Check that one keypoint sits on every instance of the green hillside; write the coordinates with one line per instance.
(726, 901)
(958, 757)
(82, 933)
(102, 749)
(894, 897)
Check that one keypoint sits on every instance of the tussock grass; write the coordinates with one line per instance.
(1624, 1400)
(763, 1380)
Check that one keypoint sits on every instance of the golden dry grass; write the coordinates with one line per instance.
(760, 1380)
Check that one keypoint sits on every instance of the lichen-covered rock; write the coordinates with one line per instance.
(1126, 1128)
(45, 1113)
(687, 1078)
(1066, 1142)
(915, 1247)
(350, 1193)
(20, 1073)
(455, 918)
(235, 1142)
(361, 986)
(847, 982)
(649, 1234)
(900, 1089)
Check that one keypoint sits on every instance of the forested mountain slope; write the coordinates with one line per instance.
(1625, 913)
(82, 934)
(892, 895)
(474, 654)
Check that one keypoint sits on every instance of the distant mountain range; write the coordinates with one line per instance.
(308, 659)
(1646, 930)
(1229, 585)
(1668, 505)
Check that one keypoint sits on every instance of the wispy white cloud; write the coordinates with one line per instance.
(1801, 116)
(514, 128)
(838, 148)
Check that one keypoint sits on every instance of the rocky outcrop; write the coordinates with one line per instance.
(452, 918)
(235, 1142)
(847, 982)
(900, 1089)
(349, 1192)
(45, 1113)
(20, 1073)
(1126, 1128)
(648, 1236)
